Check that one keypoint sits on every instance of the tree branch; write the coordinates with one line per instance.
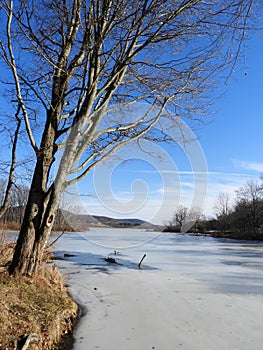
(12, 64)
(11, 175)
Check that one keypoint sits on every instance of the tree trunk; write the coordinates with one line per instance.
(35, 230)
(42, 203)
(40, 211)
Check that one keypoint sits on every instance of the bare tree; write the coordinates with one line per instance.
(248, 212)
(251, 192)
(179, 217)
(222, 204)
(194, 219)
(79, 66)
(184, 219)
(6, 186)
(222, 210)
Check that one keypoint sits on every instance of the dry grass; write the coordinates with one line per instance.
(40, 305)
(10, 226)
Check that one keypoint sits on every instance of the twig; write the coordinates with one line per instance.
(139, 265)
(55, 240)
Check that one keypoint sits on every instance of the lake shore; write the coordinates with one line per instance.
(184, 306)
(33, 310)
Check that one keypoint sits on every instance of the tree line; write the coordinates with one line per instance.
(240, 217)
(12, 217)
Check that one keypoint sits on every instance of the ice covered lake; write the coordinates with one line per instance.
(192, 293)
(224, 264)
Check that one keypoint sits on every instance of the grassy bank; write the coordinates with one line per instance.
(37, 308)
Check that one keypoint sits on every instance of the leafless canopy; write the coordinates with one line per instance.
(77, 62)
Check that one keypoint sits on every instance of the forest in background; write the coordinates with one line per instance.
(240, 217)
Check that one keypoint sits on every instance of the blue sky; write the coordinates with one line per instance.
(227, 153)
(232, 146)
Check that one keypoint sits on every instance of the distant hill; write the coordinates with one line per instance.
(68, 221)
(121, 222)
(78, 221)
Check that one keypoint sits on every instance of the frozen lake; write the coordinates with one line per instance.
(223, 264)
(192, 293)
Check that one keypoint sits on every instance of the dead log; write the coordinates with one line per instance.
(67, 255)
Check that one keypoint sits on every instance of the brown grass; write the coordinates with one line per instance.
(10, 226)
(40, 304)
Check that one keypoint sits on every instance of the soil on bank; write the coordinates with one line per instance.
(37, 307)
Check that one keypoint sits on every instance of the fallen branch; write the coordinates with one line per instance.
(67, 255)
(139, 265)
